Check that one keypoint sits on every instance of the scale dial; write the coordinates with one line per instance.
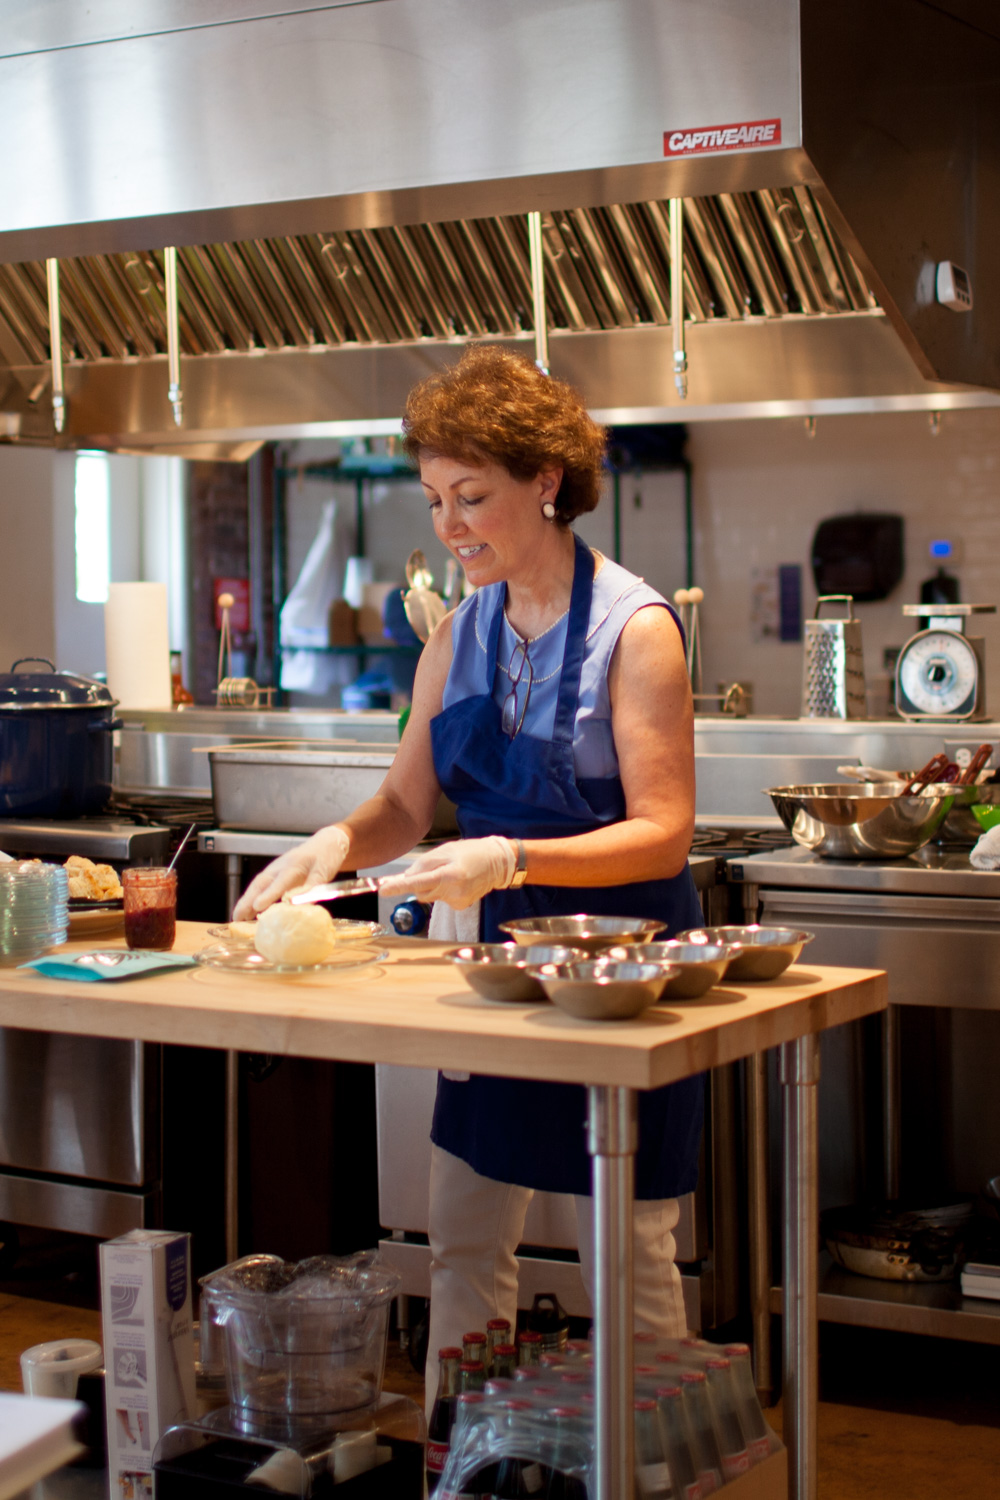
(937, 676)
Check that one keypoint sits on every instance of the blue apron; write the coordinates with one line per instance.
(519, 1130)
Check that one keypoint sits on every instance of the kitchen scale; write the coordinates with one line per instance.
(941, 671)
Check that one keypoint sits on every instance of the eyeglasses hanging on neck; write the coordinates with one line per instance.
(515, 705)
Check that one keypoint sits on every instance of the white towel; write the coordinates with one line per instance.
(986, 854)
(450, 926)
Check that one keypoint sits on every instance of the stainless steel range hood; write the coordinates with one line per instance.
(348, 184)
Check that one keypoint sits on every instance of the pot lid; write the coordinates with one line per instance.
(51, 689)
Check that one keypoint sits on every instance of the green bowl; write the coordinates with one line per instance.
(986, 814)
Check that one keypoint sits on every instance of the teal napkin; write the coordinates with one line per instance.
(109, 963)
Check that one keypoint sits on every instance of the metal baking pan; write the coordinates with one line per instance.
(297, 786)
(291, 787)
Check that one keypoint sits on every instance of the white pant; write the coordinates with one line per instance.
(476, 1225)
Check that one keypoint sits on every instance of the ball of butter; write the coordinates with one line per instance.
(295, 934)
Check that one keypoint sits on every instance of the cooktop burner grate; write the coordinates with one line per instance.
(739, 840)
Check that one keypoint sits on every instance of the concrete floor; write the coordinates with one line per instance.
(900, 1418)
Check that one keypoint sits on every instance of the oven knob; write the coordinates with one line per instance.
(410, 917)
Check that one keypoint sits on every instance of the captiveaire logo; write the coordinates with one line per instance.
(746, 134)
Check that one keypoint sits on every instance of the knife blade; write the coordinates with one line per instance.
(334, 890)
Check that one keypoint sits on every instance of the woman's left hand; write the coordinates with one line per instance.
(459, 873)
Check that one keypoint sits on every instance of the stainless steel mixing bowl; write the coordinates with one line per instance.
(870, 821)
(755, 952)
(600, 990)
(593, 934)
(699, 966)
(499, 971)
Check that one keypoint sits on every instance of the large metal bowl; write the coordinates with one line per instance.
(500, 971)
(603, 991)
(873, 820)
(593, 934)
(699, 966)
(755, 952)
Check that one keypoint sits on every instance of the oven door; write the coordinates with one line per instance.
(79, 1106)
(936, 949)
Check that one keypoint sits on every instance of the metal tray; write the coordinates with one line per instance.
(297, 786)
(292, 788)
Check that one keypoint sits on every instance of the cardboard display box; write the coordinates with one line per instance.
(148, 1350)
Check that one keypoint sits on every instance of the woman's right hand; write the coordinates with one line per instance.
(308, 864)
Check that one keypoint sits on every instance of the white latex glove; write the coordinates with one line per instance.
(308, 864)
(459, 873)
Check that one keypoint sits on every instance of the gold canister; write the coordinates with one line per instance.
(833, 668)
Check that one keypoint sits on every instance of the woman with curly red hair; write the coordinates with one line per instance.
(553, 707)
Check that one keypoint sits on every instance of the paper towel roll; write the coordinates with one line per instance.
(137, 645)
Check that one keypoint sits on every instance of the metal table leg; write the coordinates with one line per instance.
(759, 1247)
(890, 1098)
(232, 1155)
(234, 871)
(800, 1165)
(612, 1133)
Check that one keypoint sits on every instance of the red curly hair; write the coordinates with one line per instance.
(497, 406)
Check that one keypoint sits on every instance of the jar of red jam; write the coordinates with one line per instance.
(150, 907)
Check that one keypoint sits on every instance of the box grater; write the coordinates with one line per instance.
(833, 669)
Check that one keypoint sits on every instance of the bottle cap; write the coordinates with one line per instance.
(669, 1392)
(449, 1353)
(496, 1323)
(473, 1338)
(693, 1377)
(504, 1351)
(644, 1404)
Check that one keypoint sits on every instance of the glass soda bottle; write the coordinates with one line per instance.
(518, 1477)
(442, 1416)
(474, 1346)
(568, 1452)
(755, 1428)
(504, 1361)
(471, 1375)
(728, 1429)
(497, 1332)
(652, 1476)
(529, 1348)
(678, 1442)
(708, 1459)
(469, 1410)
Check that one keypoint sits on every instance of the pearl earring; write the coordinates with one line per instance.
(549, 511)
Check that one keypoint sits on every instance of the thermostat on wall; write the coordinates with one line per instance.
(954, 289)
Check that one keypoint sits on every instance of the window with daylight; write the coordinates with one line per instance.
(93, 527)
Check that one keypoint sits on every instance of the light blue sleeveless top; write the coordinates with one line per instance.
(617, 595)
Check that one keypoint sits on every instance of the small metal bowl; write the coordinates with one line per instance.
(592, 934)
(603, 991)
(758, 952)
(499, 971)
(699, 965)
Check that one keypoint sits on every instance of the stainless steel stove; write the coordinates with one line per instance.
(912, 1109)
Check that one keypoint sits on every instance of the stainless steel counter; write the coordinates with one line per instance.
(931, 871)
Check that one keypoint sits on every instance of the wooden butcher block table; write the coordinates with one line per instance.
(413, 1008)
